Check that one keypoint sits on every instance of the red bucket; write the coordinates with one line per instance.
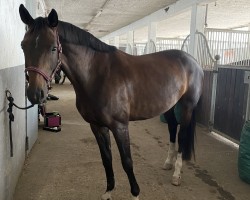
(52, 120)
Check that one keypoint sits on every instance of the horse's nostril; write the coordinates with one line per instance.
(36, 95)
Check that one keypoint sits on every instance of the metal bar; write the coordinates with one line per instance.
(247, 81)
(213, 98)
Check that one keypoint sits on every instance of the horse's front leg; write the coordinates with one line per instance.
(103, 139)
(121, 136)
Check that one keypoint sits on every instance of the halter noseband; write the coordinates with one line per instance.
(47, 78)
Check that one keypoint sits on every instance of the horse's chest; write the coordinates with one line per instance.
(85, 111)
(88, 111)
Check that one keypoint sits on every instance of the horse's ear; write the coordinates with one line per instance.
(25, 15)
(53, 18)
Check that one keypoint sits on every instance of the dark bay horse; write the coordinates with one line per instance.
(113, 88)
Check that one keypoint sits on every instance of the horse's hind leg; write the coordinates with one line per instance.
(185, 140)
(121, 135)
(172, 128)
(103, 139)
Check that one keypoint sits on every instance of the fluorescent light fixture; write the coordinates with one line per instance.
(98, 14)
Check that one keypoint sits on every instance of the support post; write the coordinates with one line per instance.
(213, 97)
(117, 41)
(247, 81)
(197, 24)
(151, 35)
(130, 42)
(248, 44)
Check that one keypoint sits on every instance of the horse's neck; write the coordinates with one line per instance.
(77, 62)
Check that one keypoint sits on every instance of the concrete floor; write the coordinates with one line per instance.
(67, 165)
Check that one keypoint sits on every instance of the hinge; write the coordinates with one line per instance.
(27, 143)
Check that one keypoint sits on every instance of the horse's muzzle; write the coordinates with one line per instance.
(37, 95)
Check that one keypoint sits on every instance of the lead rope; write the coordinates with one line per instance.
(11, 116)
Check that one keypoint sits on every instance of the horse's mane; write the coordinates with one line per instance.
(73, 34)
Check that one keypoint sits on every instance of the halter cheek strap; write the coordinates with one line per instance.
(47, 78)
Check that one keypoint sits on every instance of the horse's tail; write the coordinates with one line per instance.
(189, 150)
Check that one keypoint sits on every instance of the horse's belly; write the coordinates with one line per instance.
(152, 107)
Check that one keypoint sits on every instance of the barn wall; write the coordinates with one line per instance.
(10, 167)
(11, 34)
(12, 78)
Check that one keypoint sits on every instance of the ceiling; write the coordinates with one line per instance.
(225, 14)
(101, 17)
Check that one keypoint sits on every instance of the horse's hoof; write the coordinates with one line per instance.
(176, 181)
(167, 166)
(135, 198)
(106, 196)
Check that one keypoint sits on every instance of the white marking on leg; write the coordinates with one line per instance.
(176, 180)
(106, 196)
(135, 198)
(171, 153)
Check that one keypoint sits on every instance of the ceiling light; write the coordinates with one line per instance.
(98, 14)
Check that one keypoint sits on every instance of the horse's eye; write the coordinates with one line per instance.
(54, 48)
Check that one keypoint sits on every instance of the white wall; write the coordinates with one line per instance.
(10, 167)
(11, 33)
(12, 78)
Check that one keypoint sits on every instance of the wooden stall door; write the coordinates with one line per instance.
(204, 104)
(231, 101)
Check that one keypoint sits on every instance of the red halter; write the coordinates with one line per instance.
(47, 78)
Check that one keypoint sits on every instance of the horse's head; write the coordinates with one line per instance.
(42, 50)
